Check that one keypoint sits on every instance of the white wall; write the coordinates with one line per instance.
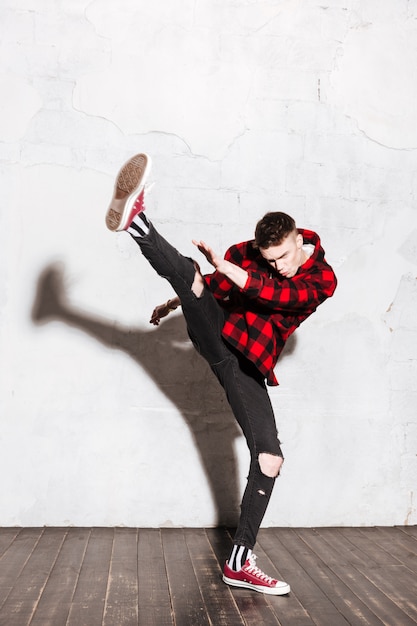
(245, 106)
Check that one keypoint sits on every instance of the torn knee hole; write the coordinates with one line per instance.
(198, 285)
(270, 464)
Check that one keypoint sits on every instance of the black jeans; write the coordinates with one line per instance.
(244, 385)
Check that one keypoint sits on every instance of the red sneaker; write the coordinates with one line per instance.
(127, 198)
(251, 577)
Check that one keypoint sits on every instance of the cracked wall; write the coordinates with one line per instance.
(245, 107)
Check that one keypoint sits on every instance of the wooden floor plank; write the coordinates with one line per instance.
(187, 601)
(396, 581)
(7, 536)
(366, 545)
(87, 607)
(153, 597)
(409, 530)
(338, 539)
(399, 585)
(221, 607)
(19, 607)
(337, 586)
(55, 602)
(399, 545)
(121, 605)
(351, 565)
(305, 581)
(14, 558)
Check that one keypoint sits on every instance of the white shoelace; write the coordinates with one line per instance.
(254, 569)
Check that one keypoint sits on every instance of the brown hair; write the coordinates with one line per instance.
(272, 229)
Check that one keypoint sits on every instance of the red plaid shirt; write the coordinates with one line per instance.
(260, 317)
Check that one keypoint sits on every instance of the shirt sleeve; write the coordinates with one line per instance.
(291, 295)
(219, 285)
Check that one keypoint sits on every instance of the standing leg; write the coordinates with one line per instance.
(249, 399)
(246, 392)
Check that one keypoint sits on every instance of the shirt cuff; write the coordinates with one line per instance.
(253, 284)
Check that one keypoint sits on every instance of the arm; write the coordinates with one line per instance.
(294, 294)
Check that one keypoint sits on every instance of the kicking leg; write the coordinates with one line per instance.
(203, 315)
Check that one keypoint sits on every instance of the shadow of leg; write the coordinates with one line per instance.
(190, 385)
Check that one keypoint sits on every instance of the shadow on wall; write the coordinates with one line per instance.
(189, 384)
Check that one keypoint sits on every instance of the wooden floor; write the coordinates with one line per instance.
(151, 577)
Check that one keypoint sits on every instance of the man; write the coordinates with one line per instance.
(238, 318)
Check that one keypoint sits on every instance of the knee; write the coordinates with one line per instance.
(198, 285)
(270, 464)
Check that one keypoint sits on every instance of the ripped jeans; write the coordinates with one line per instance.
(244, 386)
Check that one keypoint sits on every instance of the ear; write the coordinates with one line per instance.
(300, 240)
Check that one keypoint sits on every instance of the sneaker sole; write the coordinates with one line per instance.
(272, 591)
(130, 181)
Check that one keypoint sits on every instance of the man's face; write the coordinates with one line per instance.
(287, 256)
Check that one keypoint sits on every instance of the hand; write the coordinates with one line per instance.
(208, 252)
(158, 313)
(236, 274)
(162, 310)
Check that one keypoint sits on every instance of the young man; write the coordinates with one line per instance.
(238, 318)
